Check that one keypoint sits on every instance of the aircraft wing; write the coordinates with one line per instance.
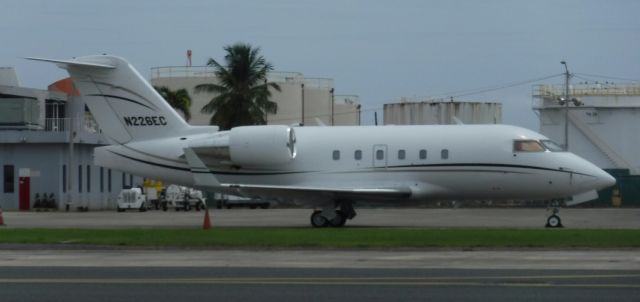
(322, 193)
(203, 177)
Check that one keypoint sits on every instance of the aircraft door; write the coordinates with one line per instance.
(24, 189)
(380, 155)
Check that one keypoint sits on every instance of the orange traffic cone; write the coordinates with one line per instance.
(207, 222)
(1, 219)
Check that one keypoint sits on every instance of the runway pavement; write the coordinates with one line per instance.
(408, 217)
(64, 273)
(268, 284)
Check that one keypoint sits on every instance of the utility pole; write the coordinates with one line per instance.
(567, 76)
(302, 96)
(332, 107)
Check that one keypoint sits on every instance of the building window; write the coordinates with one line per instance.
(101, 180)
(109, 180)
(379, 154)
(64, 178)
(358, 155)
(80, 178)
(444, 154)
(402, 154)
(336, 154)
(423, 154)
(131, 180)
(9, 178)
(88, 178)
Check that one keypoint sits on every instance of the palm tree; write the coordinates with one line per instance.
(242, 95)
(178, 99)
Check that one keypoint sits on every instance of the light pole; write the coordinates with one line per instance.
(565, 101)
(567, 75)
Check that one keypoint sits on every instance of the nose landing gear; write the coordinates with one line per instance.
(554, 220)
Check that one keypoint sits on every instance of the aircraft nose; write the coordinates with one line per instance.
(605, 180)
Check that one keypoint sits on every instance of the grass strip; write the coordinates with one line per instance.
(365, 238)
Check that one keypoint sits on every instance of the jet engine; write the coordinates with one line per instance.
(262, 145)
(250, 146)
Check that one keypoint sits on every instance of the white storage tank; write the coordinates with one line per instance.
(297, 94)
(441, 113)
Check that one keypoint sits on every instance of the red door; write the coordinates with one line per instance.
(24, 193)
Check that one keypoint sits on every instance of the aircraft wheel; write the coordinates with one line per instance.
(120, 209)
(318, 221)
(554, 222)
(339, 220)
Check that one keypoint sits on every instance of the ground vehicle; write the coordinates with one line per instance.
(184, 198)
(230, 201)
(132, 199)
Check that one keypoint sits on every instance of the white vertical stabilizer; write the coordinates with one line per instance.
(124, 104)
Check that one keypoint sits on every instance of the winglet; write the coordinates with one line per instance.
(72, 62)
(202, 176)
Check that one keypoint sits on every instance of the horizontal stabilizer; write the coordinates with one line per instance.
(72, 62)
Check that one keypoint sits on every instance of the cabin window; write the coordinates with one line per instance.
(444, 154)
(379, 154)
(402, 154)
(336, 154)
(527, 146)
(358, 155)
(423, 154)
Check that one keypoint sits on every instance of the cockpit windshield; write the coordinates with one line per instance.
(532, 145)
(551, 145)
(528, 145)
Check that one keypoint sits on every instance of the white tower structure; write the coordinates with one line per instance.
(602, 128)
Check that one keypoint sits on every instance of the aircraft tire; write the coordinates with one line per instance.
(339, 221)
(319, 221)
(554, 222)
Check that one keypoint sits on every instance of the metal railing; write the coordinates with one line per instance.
(169, 72)
(601, 89)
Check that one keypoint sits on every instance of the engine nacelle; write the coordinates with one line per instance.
(262, 145)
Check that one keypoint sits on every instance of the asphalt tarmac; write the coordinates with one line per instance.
(63, 273)
(269, 284)
(627, 218)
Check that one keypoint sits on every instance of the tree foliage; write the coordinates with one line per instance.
(178, 99)
(242, 95)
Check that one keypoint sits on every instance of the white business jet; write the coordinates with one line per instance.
(329, 168)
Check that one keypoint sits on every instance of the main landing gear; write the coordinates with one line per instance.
(554, 221)
(334, 217)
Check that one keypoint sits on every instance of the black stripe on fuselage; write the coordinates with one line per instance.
(122, 98)
(380, 169)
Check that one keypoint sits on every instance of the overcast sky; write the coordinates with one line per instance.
(379, 50)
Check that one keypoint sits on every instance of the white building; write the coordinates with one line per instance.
(430, 112)
(47, 139)
(301, 100)
(603, 130)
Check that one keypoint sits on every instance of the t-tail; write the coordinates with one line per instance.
(115, 91)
